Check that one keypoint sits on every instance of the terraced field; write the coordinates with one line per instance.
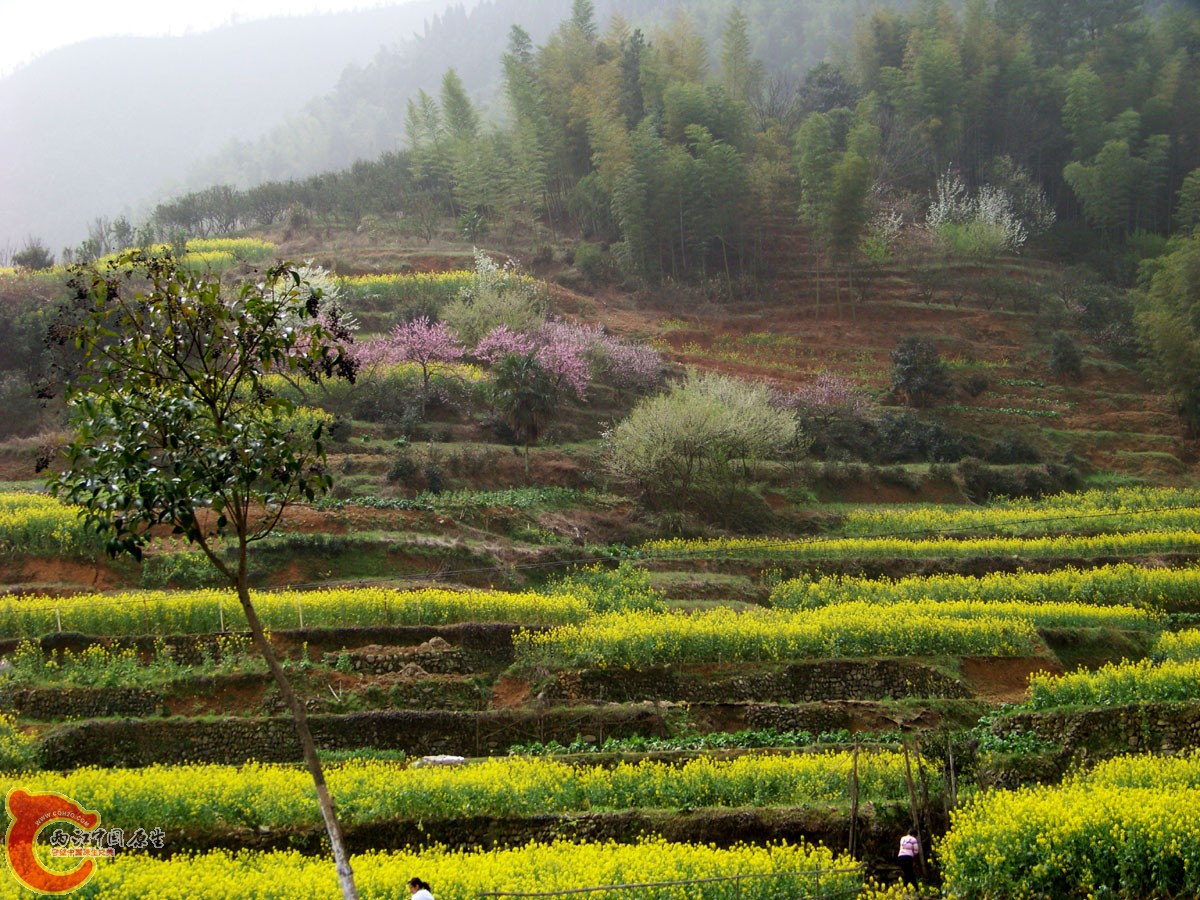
(612, 735)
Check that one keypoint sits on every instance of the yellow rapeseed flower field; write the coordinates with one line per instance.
(203, 611)
(639, 638)
(776, 871)
(1128, 830)
(256, 795)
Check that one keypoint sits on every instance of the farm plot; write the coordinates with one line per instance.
(479, 671)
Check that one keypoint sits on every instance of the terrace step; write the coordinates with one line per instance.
(231, 740)
(802, 682)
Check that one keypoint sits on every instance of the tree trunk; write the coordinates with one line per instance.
(300, 717)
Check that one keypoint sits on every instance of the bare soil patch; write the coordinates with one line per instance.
(509, 693)
(1004, 680)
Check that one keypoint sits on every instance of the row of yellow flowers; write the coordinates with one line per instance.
(248, 249)
(1047, 547)
(208, 253)
(277, 796)
(1114, 684)
(1180, 646)
(1123, 584)
(1086, 512)
(384, 290)
(203, 611)
(642, 638)
(781, 870)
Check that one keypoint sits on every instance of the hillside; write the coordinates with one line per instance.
(1009, 425)
(865, 644)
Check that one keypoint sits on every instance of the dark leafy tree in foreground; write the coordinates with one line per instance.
(174, 426)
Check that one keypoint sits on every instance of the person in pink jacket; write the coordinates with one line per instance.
(910, 849)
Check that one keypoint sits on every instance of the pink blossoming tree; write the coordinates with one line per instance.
(429, 344)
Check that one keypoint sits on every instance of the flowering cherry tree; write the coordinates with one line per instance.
(565, 351)
(500, 342)
(629, 365)
(422, 341)
(572, 354)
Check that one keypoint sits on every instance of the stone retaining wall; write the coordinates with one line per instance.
(435, 656)
(873, 679)
(482, 644)
(235, 740)
(47, 704)
(813, 718)
(1111, 731)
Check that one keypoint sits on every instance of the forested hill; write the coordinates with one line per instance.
(364, 115)
(106, 127)
(1068, 125)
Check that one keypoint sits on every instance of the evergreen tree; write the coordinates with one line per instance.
(1167, 313)
(741, 73)
(530, 131)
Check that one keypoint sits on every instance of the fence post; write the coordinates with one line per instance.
(953, 783)
(221, 615)
(926, 811)
(912, 802)
(853, 803)
(300, 611)
(57, 619)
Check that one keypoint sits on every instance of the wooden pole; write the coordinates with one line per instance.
(924, 806)
(912, 801)
(854, 801)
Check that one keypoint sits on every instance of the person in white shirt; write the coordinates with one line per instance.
(419, 889)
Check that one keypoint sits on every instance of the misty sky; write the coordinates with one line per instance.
(29, 28)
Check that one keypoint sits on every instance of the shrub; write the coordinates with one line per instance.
(340, 429)
(1066, 360)
(919, 376)
(591, 262)
(402, 468)
(34, 256)
(694, 448)
(1013, 449)
(976, 385)
(497, 295)
(909, 437)
(982, 482)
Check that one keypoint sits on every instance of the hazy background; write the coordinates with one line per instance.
(114, 116)
(31, 29)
